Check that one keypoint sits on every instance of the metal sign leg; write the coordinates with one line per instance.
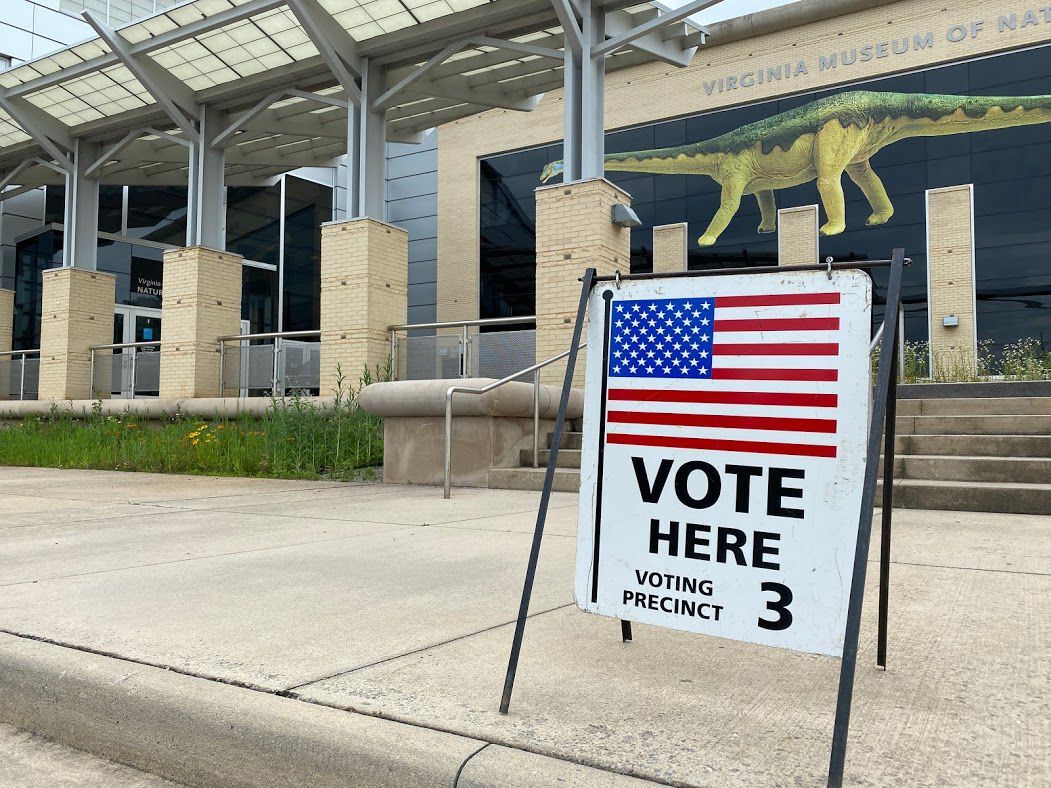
(545, 496)
(857, 585)
(625, 631)
(887, 510)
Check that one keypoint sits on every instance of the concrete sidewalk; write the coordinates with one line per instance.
(125, 598)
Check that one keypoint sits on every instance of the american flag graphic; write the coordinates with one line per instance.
(749, 373)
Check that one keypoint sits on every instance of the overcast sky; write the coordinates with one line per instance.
(728, 9)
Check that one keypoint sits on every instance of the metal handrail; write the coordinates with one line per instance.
(277, 336)
(465, 337)
(270, 335)
(22, 370)
(485, 321)
(35, 352)
(120, 346)
(535, 369)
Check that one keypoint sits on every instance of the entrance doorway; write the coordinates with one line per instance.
(136, 372)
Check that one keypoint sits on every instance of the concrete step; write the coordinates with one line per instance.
(566, 479)
(978, 406)
(567, 458)
(1025, 470)
(974, 425)
(975, 445)
(1002, 497)
(570, 440)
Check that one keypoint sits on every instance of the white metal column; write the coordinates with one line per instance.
(206, 193)
(368, 170)
(80, 236)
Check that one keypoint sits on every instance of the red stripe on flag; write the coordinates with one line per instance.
(815, 375)
(712, 444)
(780, 299)
(777, 349)
(779, 324)
(803, 400)
(779, 423)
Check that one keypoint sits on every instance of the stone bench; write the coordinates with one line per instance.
(488, 430)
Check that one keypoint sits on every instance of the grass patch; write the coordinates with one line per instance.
(295, 439)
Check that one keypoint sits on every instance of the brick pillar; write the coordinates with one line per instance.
(573, 232)
(364, 289)
(10, 372)
(76, 313)
(7, 319)
(669, 248)
(797, 235)
(950, 280)
(202, 302)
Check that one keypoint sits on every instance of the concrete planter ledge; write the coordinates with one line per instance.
(414, 398)
(489, 431)
(204, 407)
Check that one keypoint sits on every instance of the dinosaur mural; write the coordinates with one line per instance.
(820, 141)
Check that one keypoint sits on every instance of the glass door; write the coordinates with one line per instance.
(136, 372)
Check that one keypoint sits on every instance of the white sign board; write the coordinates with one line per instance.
(724, 453)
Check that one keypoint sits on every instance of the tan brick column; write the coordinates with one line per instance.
(669, 248)
(573, 232)
(950, 280)
(364, 289)
(202, 302)
(7, 319)
(797, 235)
(76, 313)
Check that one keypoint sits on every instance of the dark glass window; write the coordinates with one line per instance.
(54, 204)
(1009, 167)
(307, 206)
(111, 206)
(253, 222)
(157, 213)
(33, 256)
(259, 299)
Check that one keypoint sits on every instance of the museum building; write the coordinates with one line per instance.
(954, 103)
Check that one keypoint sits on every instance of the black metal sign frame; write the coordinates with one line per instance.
(881, 427)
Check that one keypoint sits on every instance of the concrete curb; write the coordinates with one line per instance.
(201, 732)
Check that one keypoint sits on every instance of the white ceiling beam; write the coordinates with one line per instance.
(653, 43)
(385, 99)
(333, 43)
(639, 31)
(48, 132)
(523, 47)
(461, 89)
(567, 16)
(173, 96)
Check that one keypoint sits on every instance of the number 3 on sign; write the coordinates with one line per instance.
(779, 606)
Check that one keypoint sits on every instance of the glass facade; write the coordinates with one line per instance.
(1009, 168)
(137, 223)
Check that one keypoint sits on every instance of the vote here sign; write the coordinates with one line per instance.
(724, 451)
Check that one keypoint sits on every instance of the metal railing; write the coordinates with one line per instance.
(535, 370)
(452, 350)
(276, 367)
(124, 378)
(19, 377)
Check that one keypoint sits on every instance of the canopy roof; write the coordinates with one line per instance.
(260, 62)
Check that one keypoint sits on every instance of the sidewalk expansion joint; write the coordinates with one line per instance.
(290, 692)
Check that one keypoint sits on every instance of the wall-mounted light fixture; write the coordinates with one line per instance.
(623, 216)
(950, 321)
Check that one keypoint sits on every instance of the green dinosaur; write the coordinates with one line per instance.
(822, 140)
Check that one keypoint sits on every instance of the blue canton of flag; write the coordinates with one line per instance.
(662, 338)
